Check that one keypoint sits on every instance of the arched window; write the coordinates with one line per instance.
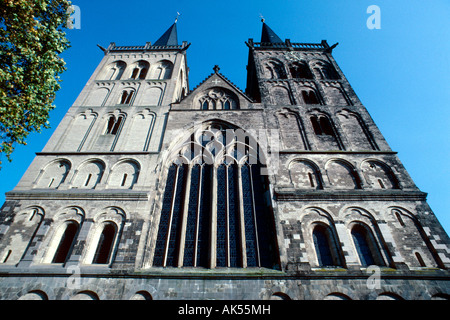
(105, 244)
(365, 246)
(300, 70)
(275, 70)
(222, 229)
(321, 125)
(66, 243)
(420, 259)
(310, 97)
(325, 247)
(323, 70)
(126, 96)
(114, 71)
(113, 124)
(139, 70)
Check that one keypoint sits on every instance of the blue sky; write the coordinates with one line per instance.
(400, 72)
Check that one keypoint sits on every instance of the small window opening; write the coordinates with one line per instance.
(33, 214)
(135, 73)
(326, 126)
(311, 180)
(113, 125)
(111, 122)
(126, 97)
(88, 179)
(322, 126)
(399, 218)
(419, 258)
(316, 126)
(143, 73)
(309, 97)
(8, 254)
(124, 180)
(116, 126)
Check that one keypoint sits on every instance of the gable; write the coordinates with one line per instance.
(216, 92)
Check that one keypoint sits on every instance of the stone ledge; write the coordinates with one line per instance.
(75, 194)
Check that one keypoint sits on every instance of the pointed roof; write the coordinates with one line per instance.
(169, 38)
(216, 79)
(268, 35)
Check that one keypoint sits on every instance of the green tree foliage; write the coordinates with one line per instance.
(31, 39)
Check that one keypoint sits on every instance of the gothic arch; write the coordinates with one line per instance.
(153, 95)
(335, 95)
(78, 131)
(232, 227)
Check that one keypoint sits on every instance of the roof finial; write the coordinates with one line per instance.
(216, 68)
(262, 18)
(176, 19)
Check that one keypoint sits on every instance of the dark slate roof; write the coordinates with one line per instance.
(169, 38)
(268, 36)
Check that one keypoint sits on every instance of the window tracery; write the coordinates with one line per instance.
(215, 191)
(218, 99)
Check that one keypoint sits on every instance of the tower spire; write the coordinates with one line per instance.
(268, 35)
(169, 38)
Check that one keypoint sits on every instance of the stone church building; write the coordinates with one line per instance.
(149, 189)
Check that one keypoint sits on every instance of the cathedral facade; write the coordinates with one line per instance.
(287, 190)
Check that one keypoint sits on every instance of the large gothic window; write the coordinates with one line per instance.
(215, 212)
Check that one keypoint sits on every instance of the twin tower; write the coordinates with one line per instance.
(287, 190)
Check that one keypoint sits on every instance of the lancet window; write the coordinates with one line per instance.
(215, 210)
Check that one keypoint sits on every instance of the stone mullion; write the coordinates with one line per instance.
(169, 227)
(184, 215)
